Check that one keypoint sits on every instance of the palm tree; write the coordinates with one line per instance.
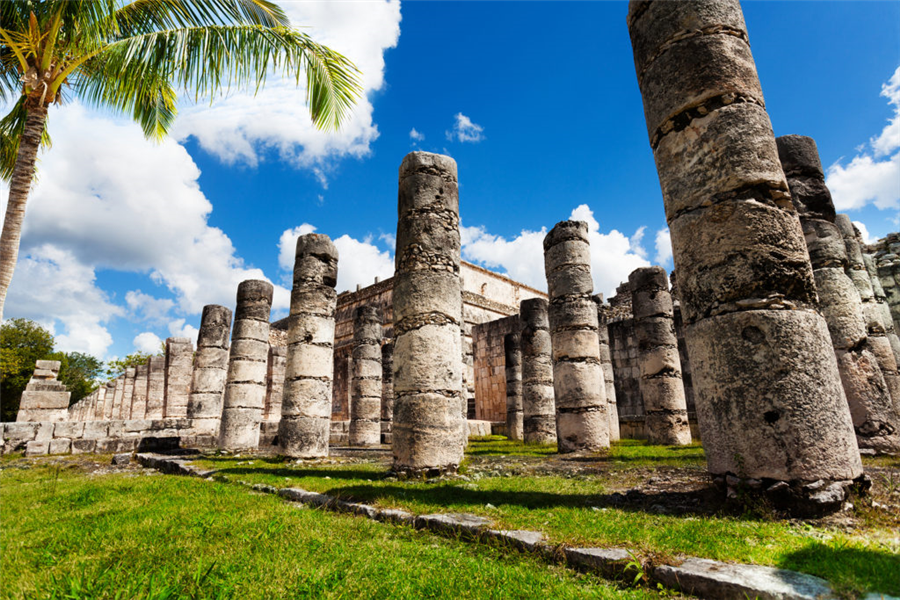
(135, 58)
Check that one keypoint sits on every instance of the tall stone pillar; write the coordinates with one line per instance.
(306, 406)
(141, 386)
(582, 421)
(665, 407)
(209, 370)
(769, 400)
(603, 315)
(428, 429)
(888, 268)
(834, 270)
(879, 326)
(275, 382)
(538, 403)
(387, 391)
(45, 398)
(110, 400)
(179, 359)
(245, 383)
(365, 385)
(156, 387)
(512, 349)
(128, 394)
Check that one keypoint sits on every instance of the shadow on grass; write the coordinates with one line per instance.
(850, 570)
(300, 473)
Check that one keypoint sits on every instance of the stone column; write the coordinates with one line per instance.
(306, 407)
(603, 316)
(888, 268)
(882, 340)
(665, 407)
(428, 431)
(128, 394)
(275, 382)
(512, 349)
(109, 404)
(834, 270)
(538, 403)
(45, 398)
(582, 421)
(139, 402)
(365, 390)
(245, 383)
(387, 391)
(179, 356)
(209, 370)
(769, 400)
(156, 387)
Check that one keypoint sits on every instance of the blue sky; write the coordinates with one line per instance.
(125, 240)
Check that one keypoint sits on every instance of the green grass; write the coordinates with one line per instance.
(577, 509)
(70, 535)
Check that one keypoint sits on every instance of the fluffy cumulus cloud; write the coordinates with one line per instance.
(873, 175)
(361, 261)
(53, 287)
(243, 127)
(663, 244)
(464, 130)
(522, 257)
(107, 199)
(147, 342)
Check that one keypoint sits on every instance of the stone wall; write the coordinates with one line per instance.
(490, 367)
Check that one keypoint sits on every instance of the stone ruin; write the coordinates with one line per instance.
(777, 348)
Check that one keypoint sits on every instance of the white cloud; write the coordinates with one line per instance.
(389, 240)
(522, 257)
(359, 262)
(243, 127)
(663, 243)
(864, 231)
(635, 242)
(180, 328)
(147, 342)
(874, 176)
(52, 287)
(464, 130)
(416, 135)
(145, 307)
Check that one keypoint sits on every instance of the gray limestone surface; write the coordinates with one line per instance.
(179, 359)
(582, 421)
(538, 403)
(604, 312)
(767, 389)
(366, 387)
(245, 382)
(428, 432)
(387, 391)
(512, 349)
(309, 370)
(209, 370)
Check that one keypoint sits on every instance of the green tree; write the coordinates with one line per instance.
(22, 343)
(114, 368)
(79, 372)
(134, 58)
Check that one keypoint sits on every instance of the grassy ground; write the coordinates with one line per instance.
(580, 502)
(74, 530)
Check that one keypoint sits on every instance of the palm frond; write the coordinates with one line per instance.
(207, 61)
(144, 16)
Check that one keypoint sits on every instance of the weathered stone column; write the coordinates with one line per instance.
(179, 356)
(768, 395)
(538, 404)
(275, 370)
(665, 407)
(245, 383)
(209, 370)
(45, 398)
(603, 316)
(512, 348)
(840, 301)
(582, 421)
(428, 431)
(387, 391)
(365, 386)
(306, 406)
(156, 387)
(128, 394)
(110, 400)
(141, 383)
(888, 267)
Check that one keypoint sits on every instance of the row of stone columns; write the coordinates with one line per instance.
(768, 394)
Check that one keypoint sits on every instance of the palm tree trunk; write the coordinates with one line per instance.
(19, 187)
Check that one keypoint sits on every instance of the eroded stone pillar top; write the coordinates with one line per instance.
(566, 231)
(254, 300)
(430, 163)
(533, 312)
(799, 158)
(215, 324)
(799, 155)
(316, 259)
(367, 314)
